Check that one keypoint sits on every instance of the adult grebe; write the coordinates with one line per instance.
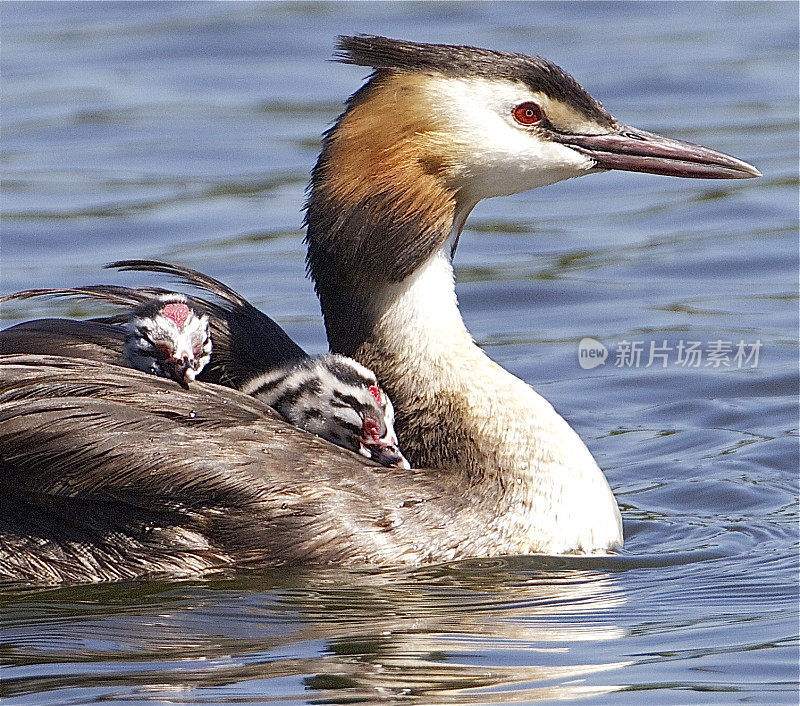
(106, 476)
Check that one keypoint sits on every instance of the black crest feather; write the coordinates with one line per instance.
(382, 53)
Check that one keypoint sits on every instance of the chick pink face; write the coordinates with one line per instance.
(177, 312)
(169, 340)
(184, 347)
(378, 439)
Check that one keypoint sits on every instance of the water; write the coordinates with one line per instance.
(186, 132)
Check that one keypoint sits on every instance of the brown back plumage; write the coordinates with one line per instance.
(159, 479)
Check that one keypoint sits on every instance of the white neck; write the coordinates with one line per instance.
(516, 443)
(420, 316)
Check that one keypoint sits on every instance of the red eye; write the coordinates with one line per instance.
(371, 428)
(375, 391)
(528, 113)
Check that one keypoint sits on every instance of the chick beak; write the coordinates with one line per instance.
(181, 370)
(390, 456)
(633, 150)
(383, 453)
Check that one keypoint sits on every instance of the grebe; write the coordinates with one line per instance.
(336, 398)
(246, 341)
(164, 334)
(115, 479)
(161, 335)
(166, 337)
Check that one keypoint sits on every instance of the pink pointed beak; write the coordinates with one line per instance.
(633, 150)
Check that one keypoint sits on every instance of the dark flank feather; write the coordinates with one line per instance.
(77, 339)
(189, 481)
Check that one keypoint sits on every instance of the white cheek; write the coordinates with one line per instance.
(388, 413)
(497, 156)
(512, 162)
(183, 346)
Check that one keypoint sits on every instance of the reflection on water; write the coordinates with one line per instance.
(516, 630)
(372, 634)
(186, 131)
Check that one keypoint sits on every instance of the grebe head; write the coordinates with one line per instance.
(166, 337)
(437, 128)
(336, 398)
(494, 123)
